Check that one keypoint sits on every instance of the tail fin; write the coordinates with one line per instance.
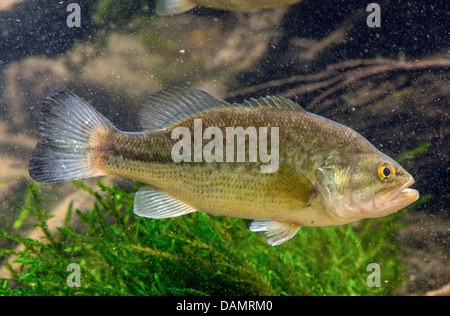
(67, 124)
(168, 7)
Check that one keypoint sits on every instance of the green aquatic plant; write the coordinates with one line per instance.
(108, 12)
(408, 155)
(115, 252)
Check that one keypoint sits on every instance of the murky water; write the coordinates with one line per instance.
(382, 70)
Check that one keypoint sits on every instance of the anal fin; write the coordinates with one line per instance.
(153, 203)
(276, 232)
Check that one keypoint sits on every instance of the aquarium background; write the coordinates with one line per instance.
(389, 83)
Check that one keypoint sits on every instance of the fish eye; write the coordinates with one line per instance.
(386, 171)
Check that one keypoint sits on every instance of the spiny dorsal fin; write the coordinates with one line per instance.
(153, 203)
(173, 105)
(276, 233)
(291, 181)
(170, 106)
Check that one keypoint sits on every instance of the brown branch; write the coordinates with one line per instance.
(277, 83)
(337, 76)
(331, 70)
(365, 72)
(312, 87)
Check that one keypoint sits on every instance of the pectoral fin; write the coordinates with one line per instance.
(276, 233)
(291, 181)
(152, 203)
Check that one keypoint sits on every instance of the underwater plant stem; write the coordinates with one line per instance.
(337, 76)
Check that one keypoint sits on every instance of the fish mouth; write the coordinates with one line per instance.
(395, 201)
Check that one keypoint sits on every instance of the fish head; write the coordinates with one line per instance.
(366, 185)
(379, 186)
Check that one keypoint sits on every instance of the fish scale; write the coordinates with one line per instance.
(241, 180)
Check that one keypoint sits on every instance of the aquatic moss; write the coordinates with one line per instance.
(111, 12)
(408, 155)
(119, 253)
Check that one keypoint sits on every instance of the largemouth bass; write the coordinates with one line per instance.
(168, 7)
(318, 172)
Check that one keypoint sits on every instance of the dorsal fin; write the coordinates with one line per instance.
(272, 102)
(173, 105)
